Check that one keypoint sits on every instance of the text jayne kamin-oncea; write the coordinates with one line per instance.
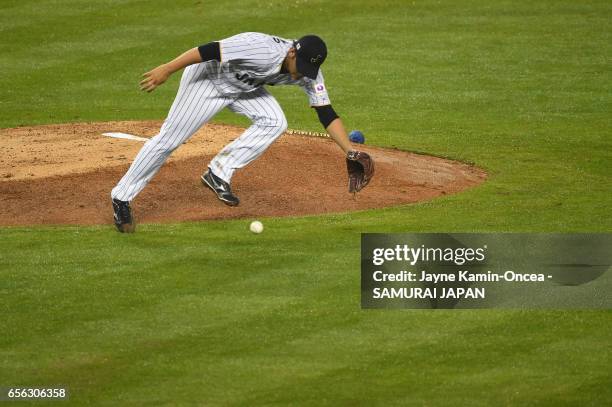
(461, 276)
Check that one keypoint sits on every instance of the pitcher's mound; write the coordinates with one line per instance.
(63, 174)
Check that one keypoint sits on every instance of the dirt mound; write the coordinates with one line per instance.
(63, 174)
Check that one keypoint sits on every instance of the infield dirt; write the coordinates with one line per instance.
(63, 174)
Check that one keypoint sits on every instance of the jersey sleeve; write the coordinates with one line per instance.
(316, 90)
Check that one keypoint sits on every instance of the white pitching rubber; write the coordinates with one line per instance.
(125, 136)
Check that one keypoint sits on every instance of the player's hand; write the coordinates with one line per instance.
(154, 78)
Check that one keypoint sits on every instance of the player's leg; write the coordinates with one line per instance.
(196, 102)
(269, 123)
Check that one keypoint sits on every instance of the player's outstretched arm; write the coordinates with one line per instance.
(333, 125)
(338, 134)
(159, 75)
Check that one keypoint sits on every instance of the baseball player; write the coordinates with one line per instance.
(232, 73)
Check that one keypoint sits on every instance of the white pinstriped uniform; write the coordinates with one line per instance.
(248, 61)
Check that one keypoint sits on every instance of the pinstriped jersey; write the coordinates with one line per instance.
(251, 60)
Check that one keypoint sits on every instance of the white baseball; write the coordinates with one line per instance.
(256, 226)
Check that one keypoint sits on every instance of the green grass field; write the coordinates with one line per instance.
(209, 314)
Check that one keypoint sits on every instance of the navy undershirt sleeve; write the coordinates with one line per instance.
(210, 51)
(326, 114)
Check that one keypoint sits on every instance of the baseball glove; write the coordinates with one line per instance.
(360, 168)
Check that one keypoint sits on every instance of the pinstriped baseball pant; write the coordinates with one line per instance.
(196, 102)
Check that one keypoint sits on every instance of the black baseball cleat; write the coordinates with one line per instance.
(221, 188)
(123, 216)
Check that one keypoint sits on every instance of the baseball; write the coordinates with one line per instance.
(256, 226)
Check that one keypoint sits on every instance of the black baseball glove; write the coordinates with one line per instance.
(360, 168)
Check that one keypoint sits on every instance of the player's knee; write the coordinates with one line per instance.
(175, 143)
(163, 146)
(279, 124)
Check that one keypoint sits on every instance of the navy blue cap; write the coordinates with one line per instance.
(311, 52)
